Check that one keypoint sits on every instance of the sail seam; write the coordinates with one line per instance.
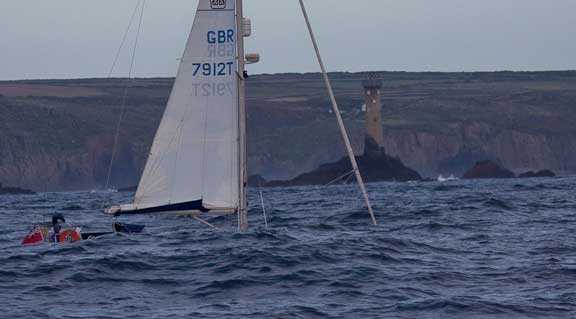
(176, 159)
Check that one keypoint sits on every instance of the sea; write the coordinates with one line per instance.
(453, 249)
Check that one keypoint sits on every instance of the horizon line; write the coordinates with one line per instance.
(297, 73)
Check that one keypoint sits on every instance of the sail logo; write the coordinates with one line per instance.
(218, 4)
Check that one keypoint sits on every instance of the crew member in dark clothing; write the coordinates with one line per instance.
(56, 227)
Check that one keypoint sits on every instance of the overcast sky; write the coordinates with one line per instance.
(79, 38)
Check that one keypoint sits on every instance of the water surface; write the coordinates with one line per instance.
(458, 249)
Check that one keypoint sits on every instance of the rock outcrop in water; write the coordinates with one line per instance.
(14, 191)
(487, 169)
(129, 189)
(256, 181)
(374, 168)
(541, 173)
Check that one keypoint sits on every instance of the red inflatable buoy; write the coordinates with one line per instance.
(68, 236)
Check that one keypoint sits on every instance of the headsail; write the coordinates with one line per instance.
(194, 158)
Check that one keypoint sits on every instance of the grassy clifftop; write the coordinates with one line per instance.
(57, 134)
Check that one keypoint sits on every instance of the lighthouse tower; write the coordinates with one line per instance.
(374, 138)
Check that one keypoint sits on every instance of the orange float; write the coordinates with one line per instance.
(69, 235)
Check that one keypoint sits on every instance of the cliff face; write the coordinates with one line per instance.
(441, 153)
(28, 163)
(58, 134)
(53, 140)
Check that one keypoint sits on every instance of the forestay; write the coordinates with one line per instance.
(195, 154)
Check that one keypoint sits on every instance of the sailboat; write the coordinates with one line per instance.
(197, 163)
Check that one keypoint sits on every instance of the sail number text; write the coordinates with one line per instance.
(220, 44)
(213, 69)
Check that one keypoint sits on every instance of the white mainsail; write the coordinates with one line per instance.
(196, 150)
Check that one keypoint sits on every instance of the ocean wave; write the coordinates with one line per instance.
(468, 249)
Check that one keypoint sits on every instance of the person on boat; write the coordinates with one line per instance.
(54, 231)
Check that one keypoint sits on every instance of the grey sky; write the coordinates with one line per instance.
(78, 38)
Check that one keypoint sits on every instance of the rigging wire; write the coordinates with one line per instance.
(263, 206)
(123, 107)
(124, 39)
(344, 176)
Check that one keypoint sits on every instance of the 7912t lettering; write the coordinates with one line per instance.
(213, 69)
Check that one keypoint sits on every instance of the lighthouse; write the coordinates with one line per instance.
(374, 137)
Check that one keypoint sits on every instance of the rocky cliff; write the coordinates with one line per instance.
(57, 134)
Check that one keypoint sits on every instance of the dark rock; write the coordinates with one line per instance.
(14, 191)
(541, 173)
(528, 174)
(487, 169)
(371, 148)
(256, 181)
(129, 189)
(545, 173)
(374, 168)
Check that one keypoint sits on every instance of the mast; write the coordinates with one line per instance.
(243, 202)
(338, 116)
